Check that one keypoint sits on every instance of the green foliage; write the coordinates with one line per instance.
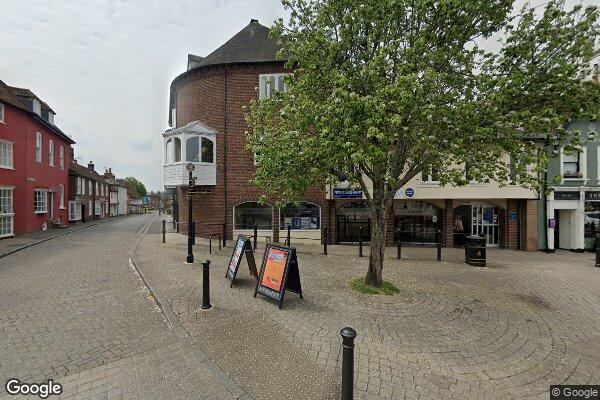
(386, 288)
(138, 185)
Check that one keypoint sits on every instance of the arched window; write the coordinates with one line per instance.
(177, 149)
(245, 215)
(301, 216)
(169, 151)
(208, 151)
(192, 149)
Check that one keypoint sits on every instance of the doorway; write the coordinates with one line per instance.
(353, 218)
(485, 223)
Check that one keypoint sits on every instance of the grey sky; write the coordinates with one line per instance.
(105, 66)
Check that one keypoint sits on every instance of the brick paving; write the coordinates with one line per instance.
(75, 311)
(507, 331)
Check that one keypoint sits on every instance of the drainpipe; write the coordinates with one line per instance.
(225, 150)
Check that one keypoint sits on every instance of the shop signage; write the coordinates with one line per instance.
(592, 196)
(552, 223)
(278, 272)
(415, 208)
(409, 192)
(341, 193)
(242, 246)
(513, 216)
(566, 195)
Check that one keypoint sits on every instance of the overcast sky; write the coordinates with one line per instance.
(104, 66)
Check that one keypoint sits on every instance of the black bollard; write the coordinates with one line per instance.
(324, 234)
(598, 250)
(210, 245)
(177, 226)
(206, 285)
(224, 235)
(348, 335)
(360, 252)
(289, 236)
(255, 235)
(194, 233)
(164, 229)
(398, 245)
(174, 223)
(438, 240)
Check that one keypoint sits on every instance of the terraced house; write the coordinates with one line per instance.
(89, 195)
(34, 164)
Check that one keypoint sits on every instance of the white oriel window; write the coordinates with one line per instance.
(572, 164)
(271, 83)
(90, 208)
(98, 209)
(6, 212)
(169, 151)
(207, 153)
(6, 154)
(74, 210)
(61, 155)
(40, 201)
(192, 149)
(1, 113)
(61, 196)
(51, 152)
(38, 147)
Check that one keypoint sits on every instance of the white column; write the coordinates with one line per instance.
(550, 215)
(579, 228)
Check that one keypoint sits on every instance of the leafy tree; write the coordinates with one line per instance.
(139, 186)
(384, 89)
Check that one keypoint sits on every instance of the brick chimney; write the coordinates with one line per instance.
(91, 166)
(108, 174)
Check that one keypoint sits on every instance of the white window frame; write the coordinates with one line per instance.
(43, 193)
(2, 113)
(37, 107)
(61, 155)
(90, 186)
(51, 152)
(97, 208)
(38, 146)
(265, 88)
(10, 155)
(582, 166)
(78, 185)
(61, 196)
(97, 189)
(11, 211)
(74, 210)
(89, 208)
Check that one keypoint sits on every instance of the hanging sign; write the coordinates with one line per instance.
(344, 193)
(242, 246)
(409, 192)
(278, 272)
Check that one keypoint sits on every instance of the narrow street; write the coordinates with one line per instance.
(74, 310)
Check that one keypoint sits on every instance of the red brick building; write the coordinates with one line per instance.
(209, 130)
(34, 164)
(89, 193)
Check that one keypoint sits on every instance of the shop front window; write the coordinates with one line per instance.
(302, 216)
(592, 219)
(245, 215)
(416, 222)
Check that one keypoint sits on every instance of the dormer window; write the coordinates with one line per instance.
(37, 107)
(1, 113)
(51, 118)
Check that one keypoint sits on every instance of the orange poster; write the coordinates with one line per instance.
(274, 269)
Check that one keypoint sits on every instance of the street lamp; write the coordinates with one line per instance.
(190, 256)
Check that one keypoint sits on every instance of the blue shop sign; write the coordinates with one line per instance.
(340, 193)
(409, 192)
(513, 216)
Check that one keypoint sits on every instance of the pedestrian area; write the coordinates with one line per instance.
(507, 331)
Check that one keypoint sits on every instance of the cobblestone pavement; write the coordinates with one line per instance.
(74, 310)
(507, 331)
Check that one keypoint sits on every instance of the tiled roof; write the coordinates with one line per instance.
(81, 170)
(9, 97)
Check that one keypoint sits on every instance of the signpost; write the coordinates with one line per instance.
(409, 192)
(190, 256)
(242, 246)
(278, 272)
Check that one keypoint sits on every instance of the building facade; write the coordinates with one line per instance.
(569, 215)
(34, 163)
(118, 198)
(89, 194)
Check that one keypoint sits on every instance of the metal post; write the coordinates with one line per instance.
(190, 255)
(324, 240)
(438, 240)
(219, 243)
(174, 222)
(398, 245)
(289, 236)
(255, 235)
(348, 335)
(360, 252)
(210, 245)
(194, 233)
(224, 235)
(177, 226)
(164, 229)
(206, 285)
(598, 250)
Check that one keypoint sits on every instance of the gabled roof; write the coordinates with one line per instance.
(250, 45)
(82, 170)
(8, 96)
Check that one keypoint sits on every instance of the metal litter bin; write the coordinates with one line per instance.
(475, 251)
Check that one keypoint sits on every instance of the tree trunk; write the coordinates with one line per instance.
(378, 238)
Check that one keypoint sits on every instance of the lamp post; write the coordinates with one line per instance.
(190, 256)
